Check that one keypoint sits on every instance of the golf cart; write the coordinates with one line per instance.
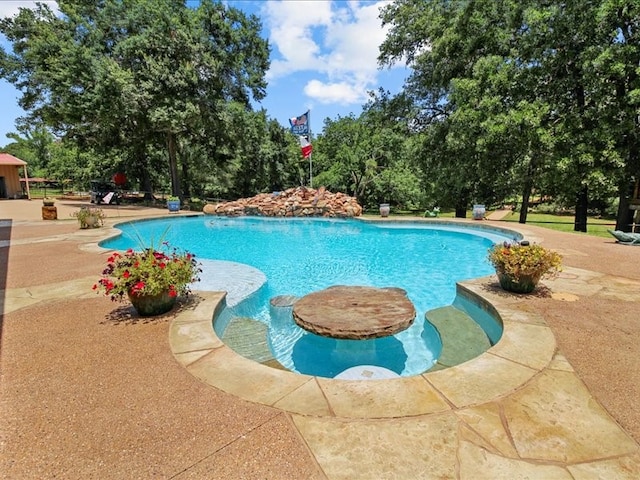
(103, 192)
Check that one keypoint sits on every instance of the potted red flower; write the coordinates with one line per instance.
(151, 279)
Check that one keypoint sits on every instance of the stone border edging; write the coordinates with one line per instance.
(527, 346)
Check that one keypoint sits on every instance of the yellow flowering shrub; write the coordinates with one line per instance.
(519, 261)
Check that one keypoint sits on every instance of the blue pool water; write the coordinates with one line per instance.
(299, 256)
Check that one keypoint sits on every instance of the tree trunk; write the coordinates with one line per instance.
(625, 214)
(526, 194)
(147, 187)
(527, 188)
(173, 164)
(580, 223)
(461, 208)
(580, 220)
(185, 179)
(143, 164)
(185, 176)
(358, 185)
(462, 202)
(626, 187)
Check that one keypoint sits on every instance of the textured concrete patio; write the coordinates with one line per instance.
(87, 389)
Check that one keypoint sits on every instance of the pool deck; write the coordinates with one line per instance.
(88, 390)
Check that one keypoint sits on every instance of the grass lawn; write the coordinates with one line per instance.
(564, 223)
(41, 192)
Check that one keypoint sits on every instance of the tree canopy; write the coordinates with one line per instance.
(134, 75)
(505, 100)
(522, 95)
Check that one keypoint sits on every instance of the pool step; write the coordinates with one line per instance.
(283, 301)
(248, 337)
(462, 338)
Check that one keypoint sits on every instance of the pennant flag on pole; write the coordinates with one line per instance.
(305, 146)
(300, 125)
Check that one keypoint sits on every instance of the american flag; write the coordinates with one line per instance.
(300, 125)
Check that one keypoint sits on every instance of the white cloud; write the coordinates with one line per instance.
(354, 42)
(336, 41)
(11, 8)
(290, 24)
(342, 92)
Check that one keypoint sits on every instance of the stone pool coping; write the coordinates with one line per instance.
(527, 347)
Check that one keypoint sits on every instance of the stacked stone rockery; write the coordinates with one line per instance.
(294, 202)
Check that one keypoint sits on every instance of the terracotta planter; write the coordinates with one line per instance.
(150, 305)
(525, 284)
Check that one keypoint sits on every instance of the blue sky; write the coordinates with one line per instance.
(323, 58)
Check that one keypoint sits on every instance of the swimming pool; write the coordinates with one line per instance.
(301, 255)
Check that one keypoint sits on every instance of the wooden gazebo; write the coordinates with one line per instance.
(10, 176)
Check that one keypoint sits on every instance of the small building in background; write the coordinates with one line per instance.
(10, 186)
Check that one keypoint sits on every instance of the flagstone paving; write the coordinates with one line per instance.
(519, 410)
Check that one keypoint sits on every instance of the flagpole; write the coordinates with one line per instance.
(310, 154)
(301, 126)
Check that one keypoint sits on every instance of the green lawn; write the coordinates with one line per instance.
(564, 223)
(40, 192)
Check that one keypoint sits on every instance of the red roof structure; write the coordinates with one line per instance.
(6, 159)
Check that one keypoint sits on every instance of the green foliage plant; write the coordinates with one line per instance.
(90, 217)
(493, 93)
(195, 204)
(520, 261)
(151, 271)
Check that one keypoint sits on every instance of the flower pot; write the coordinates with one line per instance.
(150, 305)
(91, 221)
(173, 205)
(89, 217)
(524, 284)
(384, 209)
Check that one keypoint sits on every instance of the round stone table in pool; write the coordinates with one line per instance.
(356, 313)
